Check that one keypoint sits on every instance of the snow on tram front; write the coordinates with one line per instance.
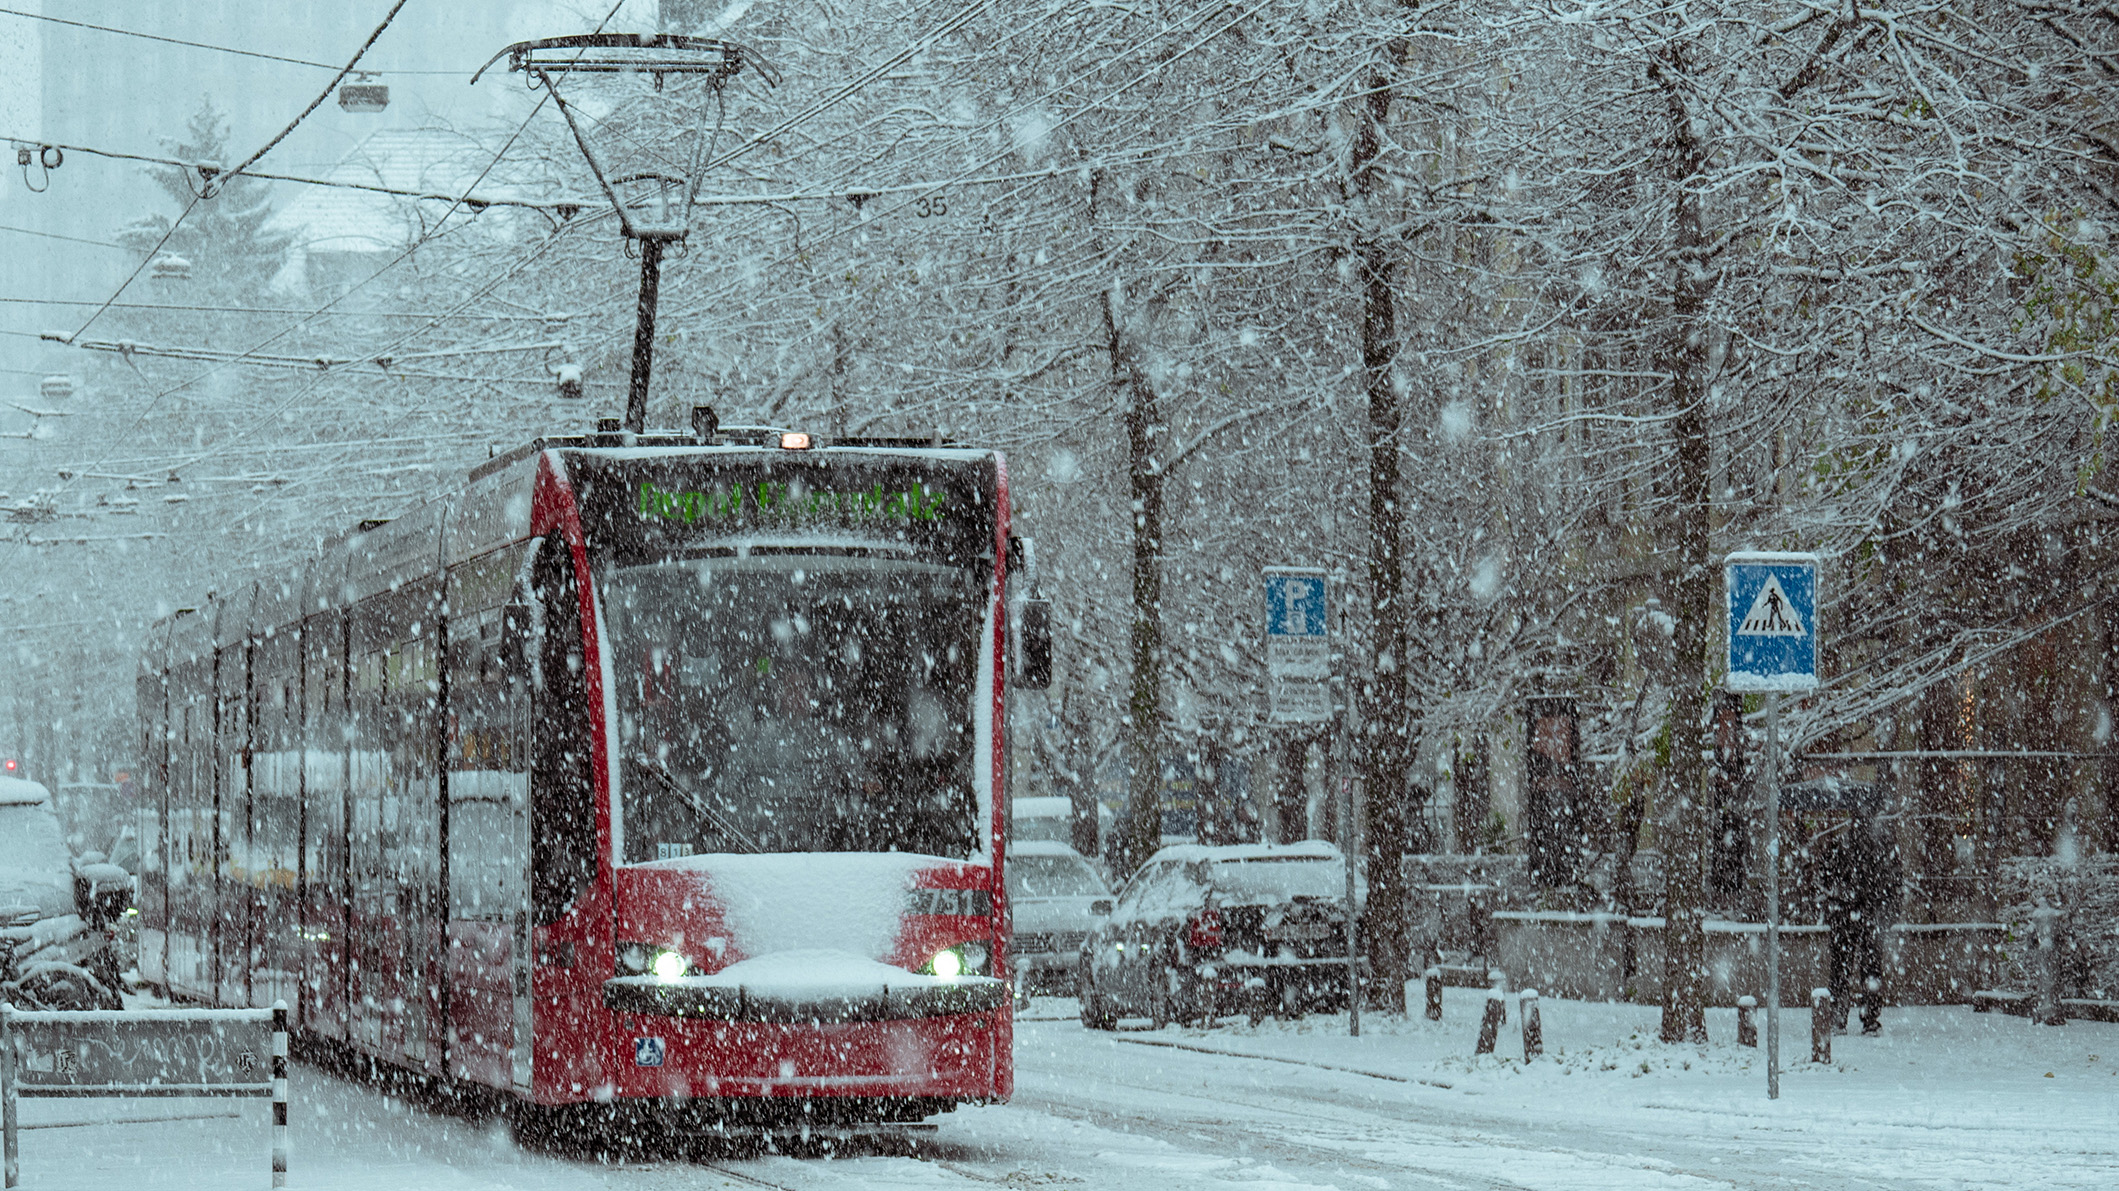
(706, 742)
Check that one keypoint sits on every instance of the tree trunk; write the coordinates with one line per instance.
(1685, 362)
(1387, 754)
(1141, 833)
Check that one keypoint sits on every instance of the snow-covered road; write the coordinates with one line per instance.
(1946, 1099)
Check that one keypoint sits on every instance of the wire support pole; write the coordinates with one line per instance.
(644, 334)
(1773, 897)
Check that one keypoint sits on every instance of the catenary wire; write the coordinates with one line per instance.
(231, 175)
(196, 45)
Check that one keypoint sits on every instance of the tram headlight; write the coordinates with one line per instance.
(647, 959)
(964, 959)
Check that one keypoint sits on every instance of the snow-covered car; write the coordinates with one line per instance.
(1201, 931)
(1051, 888)
(55, 941)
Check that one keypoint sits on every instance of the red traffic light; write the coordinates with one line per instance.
(12, 764)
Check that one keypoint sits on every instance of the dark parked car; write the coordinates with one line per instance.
(1050, 890)
(1200, 932)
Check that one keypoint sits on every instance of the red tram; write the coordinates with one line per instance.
(654, 769)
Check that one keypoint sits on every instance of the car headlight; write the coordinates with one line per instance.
(964, 959)
(647, 959)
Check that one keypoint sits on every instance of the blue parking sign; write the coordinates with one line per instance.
(1771, 599)
(647, 1052)
(1295, 604)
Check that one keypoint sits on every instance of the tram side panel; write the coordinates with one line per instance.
(151, 694)
(324, 956)
(190, 824)
(570, 909)
(412, 691)
(231, 789)
(276, 817)
(373, 955)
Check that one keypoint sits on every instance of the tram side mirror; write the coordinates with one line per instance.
(1033, 630)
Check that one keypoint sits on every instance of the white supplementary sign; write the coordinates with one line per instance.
(1298, 646)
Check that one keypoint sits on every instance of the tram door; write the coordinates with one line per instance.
(489, 822)
(396, 838)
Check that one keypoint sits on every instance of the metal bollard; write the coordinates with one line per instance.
(7, 1094)
(1490, 1021)
(1821, 1023)
(1746, 1024)
(1533, 1029)
(279, 1093)
(1499, 983)
(1434, 994)
(2045, 926)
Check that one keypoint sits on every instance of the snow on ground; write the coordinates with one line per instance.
(1944, 1099)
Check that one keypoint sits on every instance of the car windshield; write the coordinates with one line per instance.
(1052, 876)
(31, 850)
(1280, 878)
(796, 700)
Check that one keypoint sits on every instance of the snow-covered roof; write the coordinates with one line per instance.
(1309, 849)
(16, 791)
(331, 219)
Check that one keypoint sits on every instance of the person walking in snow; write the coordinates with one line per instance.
(1860, 880)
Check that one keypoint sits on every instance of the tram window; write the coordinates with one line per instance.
(562, 812)
(796, 702)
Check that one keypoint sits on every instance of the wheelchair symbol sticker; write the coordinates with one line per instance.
(647, 1052)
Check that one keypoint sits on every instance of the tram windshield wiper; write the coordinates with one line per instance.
(720, 822)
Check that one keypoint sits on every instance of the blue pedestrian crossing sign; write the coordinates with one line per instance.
(648, 1052)
(1772, 605)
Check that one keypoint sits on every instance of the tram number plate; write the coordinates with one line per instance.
(647, 1052)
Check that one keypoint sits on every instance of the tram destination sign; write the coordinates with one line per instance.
(1772, 607)
(1298, 645)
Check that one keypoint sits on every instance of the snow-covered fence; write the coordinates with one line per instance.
(178, 1052)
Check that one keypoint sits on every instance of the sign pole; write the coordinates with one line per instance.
(1353, 918)
(1772, 601)
(1773, 897)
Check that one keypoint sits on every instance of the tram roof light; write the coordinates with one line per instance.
(795, 440)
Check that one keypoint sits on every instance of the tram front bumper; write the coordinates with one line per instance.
(715, 1000)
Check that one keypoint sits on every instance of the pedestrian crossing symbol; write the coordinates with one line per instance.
(1773, 629)
(1771, 614)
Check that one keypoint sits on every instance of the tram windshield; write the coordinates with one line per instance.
(796, 700)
